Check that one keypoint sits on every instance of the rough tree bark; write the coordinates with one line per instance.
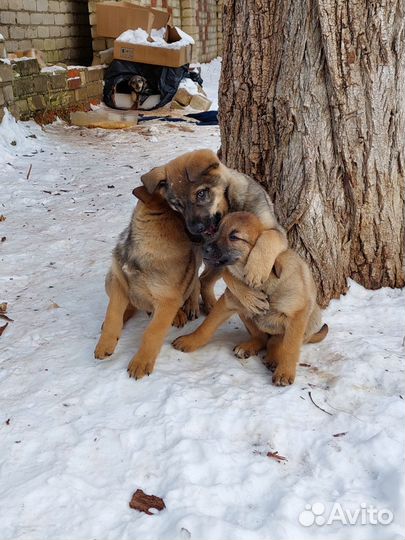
(312, 105)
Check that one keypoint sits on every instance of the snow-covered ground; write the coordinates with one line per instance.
(78, 437)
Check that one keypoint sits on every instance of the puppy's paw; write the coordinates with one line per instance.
(140, 366)
(185, 343)
(192, 309)
(180, 319)
(105, 346)
(284, 375)
(247, 349)
(255, 275)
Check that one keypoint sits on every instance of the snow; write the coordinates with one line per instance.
(140, 37)
(51, 69)
(189, 85)
(78, 437)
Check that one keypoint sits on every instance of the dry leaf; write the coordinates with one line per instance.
(2, 218)
(3, 307)
(54, 305)
(2, 328)
(276, 456)
(142, 502)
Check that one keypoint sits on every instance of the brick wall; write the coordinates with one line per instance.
(59, 28)
(30, 92)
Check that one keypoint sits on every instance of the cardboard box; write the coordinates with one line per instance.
(113, 18)
(158, 56)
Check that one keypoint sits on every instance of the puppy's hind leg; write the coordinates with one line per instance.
(114, 319)
(144, 361)
(256, 344)
(287, 350)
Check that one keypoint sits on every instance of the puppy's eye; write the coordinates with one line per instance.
(202, 194)
(234, 236)
(162, 184)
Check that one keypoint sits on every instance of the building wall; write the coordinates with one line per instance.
(59, 28)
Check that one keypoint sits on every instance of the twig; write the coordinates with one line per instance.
(29, 172)
(317, 406)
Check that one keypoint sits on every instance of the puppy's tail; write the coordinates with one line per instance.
(320, 335)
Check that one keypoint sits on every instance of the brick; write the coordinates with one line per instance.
(36, 103)
(38, 44)
(4, 32)
(42, 5)
(43, 31)
(23, 86)
(53, 6)
(41, 83)
(200, 103)
(6, 73)
(23, 17)
(26, 67)
(58, 81)
(2, 100)
(8, 17)
(48, 19)
(8, 93)
(49, 44)
(37, 18)
(81, 94)
(31, 32)
(94, 74)
(22, 106)
(183, 96)
(54, 31)
(61, 19)
(74, 83)
(29, 5)
(95, 89)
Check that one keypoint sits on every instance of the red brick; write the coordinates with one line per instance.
(74, 83)
(72, 73)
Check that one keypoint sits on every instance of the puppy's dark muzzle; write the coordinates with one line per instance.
(213, 256)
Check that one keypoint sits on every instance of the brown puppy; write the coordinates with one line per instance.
(293, 317)
(154, 269)
(203, 190)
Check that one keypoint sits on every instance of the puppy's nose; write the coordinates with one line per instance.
(197, 228)
(208, 249)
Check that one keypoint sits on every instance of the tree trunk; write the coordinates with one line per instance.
(312, 105)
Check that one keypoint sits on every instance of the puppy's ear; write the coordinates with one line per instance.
(277, 268)
(142, 194)
(154, 178)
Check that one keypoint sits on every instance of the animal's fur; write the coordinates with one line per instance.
(291, 317)
(203, 190)
(154, 269)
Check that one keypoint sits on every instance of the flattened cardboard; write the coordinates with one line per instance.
(114, 18)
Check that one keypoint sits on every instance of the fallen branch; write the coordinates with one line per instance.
(317, 406)
(29, 172)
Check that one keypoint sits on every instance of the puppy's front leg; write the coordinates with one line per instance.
(208, 279)
(252, 300)
(261, 259)
(144, 361)
(222, 310)
(114, 319)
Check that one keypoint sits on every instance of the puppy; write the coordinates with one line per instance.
(154, 269)
(203, 190)
(293, 316)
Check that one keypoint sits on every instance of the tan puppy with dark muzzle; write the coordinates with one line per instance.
(293, 316)
(154, 269)
(204, 190)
